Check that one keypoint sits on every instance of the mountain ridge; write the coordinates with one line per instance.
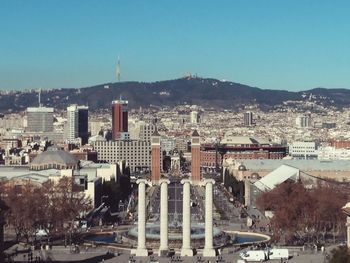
(206, 92)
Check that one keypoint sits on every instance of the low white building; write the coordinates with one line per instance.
(303, 150)
(88, 175)
(332, 153)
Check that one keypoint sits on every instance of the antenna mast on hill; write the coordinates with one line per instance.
(39, 98)
(118, 69)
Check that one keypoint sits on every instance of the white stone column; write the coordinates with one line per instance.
(246, 192)
(163, 248)
(348, 231)
(209, 250)
(186, 219)
(141, 250)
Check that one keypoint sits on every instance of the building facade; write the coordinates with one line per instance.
(77, 123)
(135, 152)
(156, 157)
(195, 157)
(119, 119)
(303, 121)
(39, 119)
(248, 118)
(303, 150)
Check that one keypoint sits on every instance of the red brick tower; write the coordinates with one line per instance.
(119, 118)
(155, 158)
(195, 150)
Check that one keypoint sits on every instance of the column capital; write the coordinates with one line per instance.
(143, 181)
(207, 181)
(184, 181)
(164, 180)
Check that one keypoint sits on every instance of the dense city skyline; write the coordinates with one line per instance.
(272, 45)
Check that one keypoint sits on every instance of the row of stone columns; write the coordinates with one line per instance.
(186, 250)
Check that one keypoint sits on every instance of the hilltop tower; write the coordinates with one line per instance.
(118, 69)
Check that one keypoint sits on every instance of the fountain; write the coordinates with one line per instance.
(178, 234)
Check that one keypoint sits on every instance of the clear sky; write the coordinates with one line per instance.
(271, 44)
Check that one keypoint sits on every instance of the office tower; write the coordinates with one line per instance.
(155, 159)
(136, 153)
(195, 163)
(248, 118)
(77, 123)
(39, 119)
(119, 119)
(303, 121)
(194, 117)
(83, 124)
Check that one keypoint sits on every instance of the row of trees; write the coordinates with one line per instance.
(114, 191)
(234, 186)
(302, 213)
(51, 207)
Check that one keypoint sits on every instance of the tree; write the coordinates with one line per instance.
(125, 186)
(64, 203)
(112, 193)
(25, 209)
(300, 212)
(51, 206)
(236, 186)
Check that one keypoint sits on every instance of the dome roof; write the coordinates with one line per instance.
(55, 156)
(242, 168)
(255, 176)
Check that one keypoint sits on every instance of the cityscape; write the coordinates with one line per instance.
(171, 168)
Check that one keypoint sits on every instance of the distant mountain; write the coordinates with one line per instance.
(200, 91)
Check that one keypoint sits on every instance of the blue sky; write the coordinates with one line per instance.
(271, 44)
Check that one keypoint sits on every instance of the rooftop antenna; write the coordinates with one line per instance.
(118, 69)
(39, 97)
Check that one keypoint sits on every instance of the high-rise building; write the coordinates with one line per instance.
(303, 121)
(77, 123)
(195, 162)
(39, 119)
(248, 118)
(194, 117)
(135, 152)
(83, 126)
(119, 119)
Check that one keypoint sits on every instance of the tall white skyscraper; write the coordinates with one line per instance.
(248, 118)
(194, 117)
(72, 123)
(77, 123)
(303, 121)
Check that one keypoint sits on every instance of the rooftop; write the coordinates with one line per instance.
(301, 164)
(55, 156)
